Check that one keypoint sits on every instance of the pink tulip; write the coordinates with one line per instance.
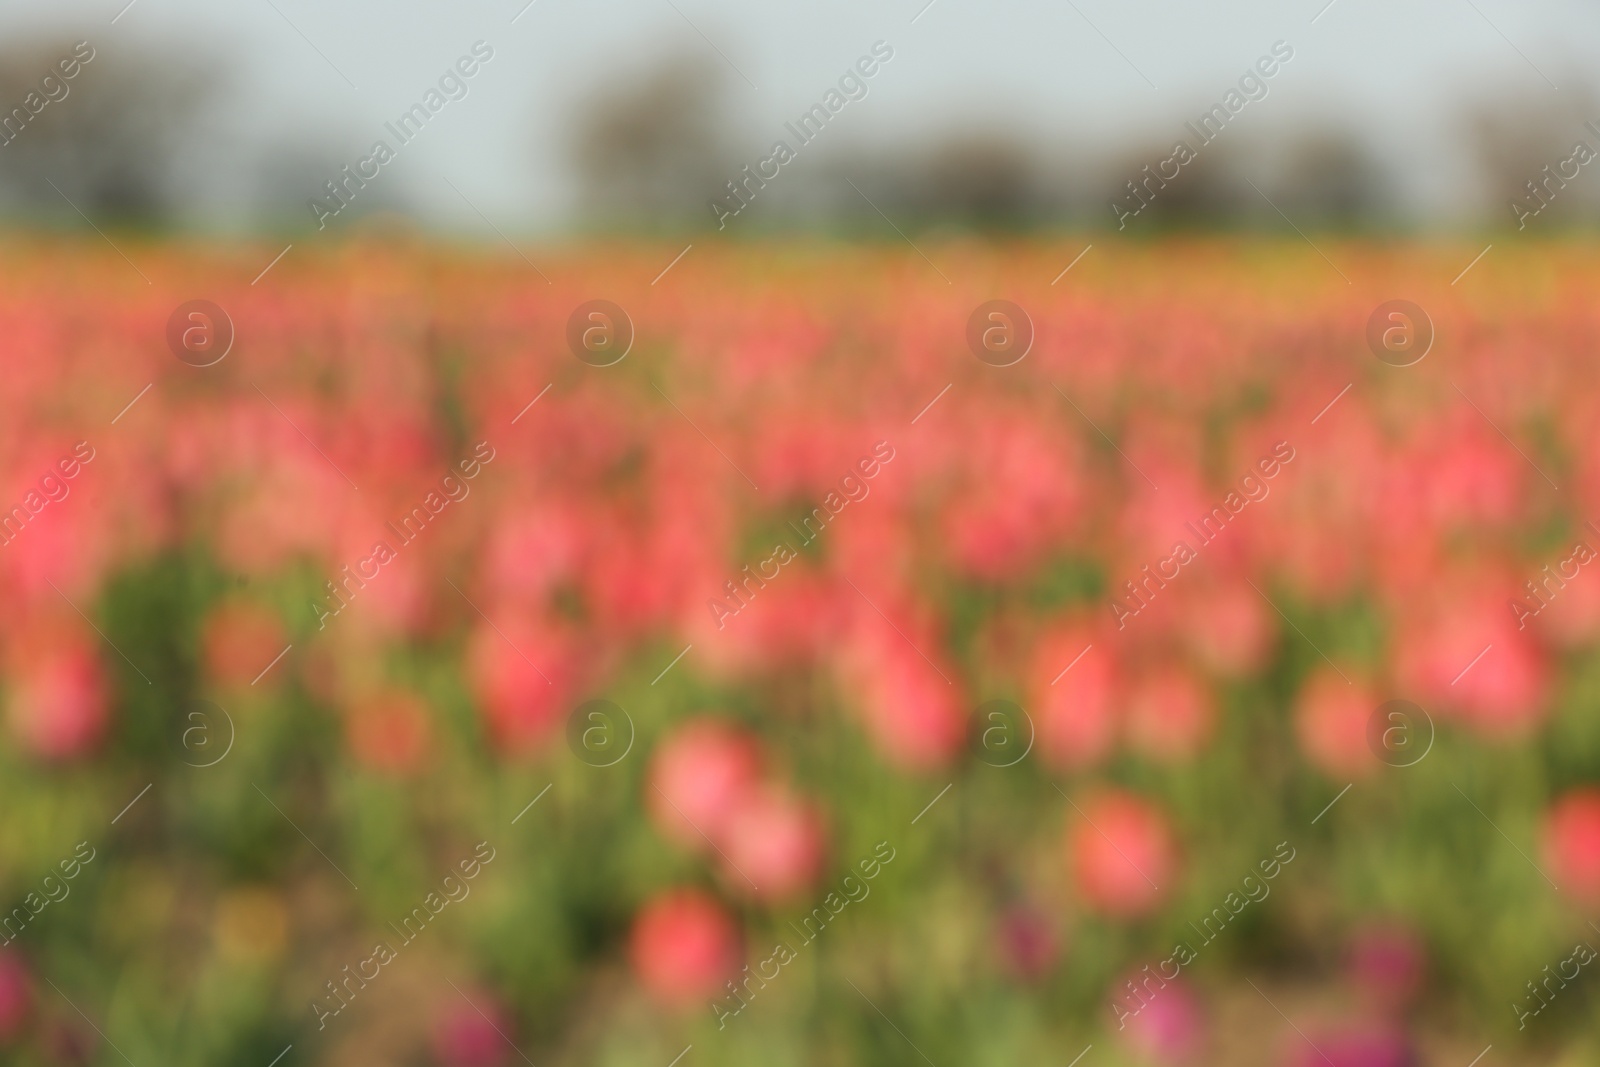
(59, 700)
(1169, 1027)
(390, 732)
(1387, 963)
(1332, 717)
(684, 947)
(1462, 651)
(1025, 495)
(1350, 1048)
(16, 996)
(773, 845)
(1075, 696)
(1229, 627)
(1572, 844)
(914, 715)
(472, 1035)
(1170, 715)
(1123, 856)
(1028, 942)
(238, 641)
(523, 698)
(699, 778)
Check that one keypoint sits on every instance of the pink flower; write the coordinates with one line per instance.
(464, 1037)
(1572, 844)
(1572, 616)
(1074, 713)
(1152, 523)
(1468, 476)
(1387, 963)
(684, 946)
(1351, 1048)
(523, 698)
(699, 778)
(533, 548)
(390, 732)
(1123, 857)
(789, 623)
(1464, 653)
(238, 641)
(774, 841)
(913, 715)
(1170, 715)
(1028, 941)
(1026, 489)
(1168, 1027)
(68, 1041)
(16, 996)
(1228, 627)
(60, 704)
(1331, 720)
(912, 708)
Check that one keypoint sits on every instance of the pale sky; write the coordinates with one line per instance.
(1395, 71)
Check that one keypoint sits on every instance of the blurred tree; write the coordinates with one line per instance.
(112, 138)
(1323, 177)
(1326, 177)
(984, 179)
(1517, 135)
(651, 152)
(970, 179)
(1206, 191)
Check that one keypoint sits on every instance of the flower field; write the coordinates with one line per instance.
(421, 666)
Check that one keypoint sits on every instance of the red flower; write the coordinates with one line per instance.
(1122, 852)
(684, 947)
(1572, 844)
